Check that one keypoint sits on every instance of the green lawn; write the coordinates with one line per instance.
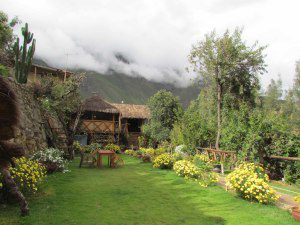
(137, 194)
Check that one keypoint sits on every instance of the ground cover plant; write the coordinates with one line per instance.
(138, 194)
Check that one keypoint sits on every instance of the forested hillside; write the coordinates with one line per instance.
(117, 87)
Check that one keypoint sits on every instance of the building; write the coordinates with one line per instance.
(106, 122)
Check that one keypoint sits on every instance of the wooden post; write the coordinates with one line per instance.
(114, 124)
(35, 74)
(119, 129)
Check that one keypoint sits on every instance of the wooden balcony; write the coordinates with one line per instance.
(99, 126)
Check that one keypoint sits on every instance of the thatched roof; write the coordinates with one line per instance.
(97, 104)
(133, 111)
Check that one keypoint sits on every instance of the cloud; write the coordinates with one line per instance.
(155, 36)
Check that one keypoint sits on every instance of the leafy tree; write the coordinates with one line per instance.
(198, 123)
(165, 111)
(269, 134)
(235, 127)
(6, 37)
(176, 134)
(62, 99)
(230, 66)
(273, 95)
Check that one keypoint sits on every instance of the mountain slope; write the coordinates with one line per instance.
(117, 87)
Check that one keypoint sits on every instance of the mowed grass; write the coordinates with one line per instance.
(137, 194)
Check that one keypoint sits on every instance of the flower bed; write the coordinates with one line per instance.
(189, 170)
(250, 182)
(52, 159)
(28, 174)
(164, 161)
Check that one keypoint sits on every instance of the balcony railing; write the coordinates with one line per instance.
(99, 126)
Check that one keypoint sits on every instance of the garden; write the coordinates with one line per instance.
(225, 159)
(137, 193)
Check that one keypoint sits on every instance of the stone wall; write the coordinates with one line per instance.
(31, 132)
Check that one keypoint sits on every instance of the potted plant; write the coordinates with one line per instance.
(296, 209)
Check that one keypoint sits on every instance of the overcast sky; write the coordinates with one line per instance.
(156, 35)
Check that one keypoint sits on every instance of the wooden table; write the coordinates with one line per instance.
(108, 153)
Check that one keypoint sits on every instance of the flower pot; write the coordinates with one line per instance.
(296, 213)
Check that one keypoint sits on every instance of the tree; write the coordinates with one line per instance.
(273, 95)
(165, 111)
(291, 105)
(198, 123)
(6, 37)
(230, 66)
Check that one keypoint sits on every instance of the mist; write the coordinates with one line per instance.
(155, 37)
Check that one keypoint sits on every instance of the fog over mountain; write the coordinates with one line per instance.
(153, 38)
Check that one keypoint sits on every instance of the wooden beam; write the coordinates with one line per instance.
(285, 158)
(114, 124)
(119, 129)
(34, 74)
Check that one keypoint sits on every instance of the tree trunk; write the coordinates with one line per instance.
(219, 92)
(72, 133)
(14, 190)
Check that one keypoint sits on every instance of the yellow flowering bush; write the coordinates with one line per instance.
(150, 151)
(28, 174)
(189, 170)
(129, 152)
(113, 147)
(250, 182)
(297, 199)
(164, 161)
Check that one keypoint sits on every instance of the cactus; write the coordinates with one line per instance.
(23, 65)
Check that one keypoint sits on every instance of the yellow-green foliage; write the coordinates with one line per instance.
(28, 174)
(203, 162)
(150, 151)
(188, 170)
(76, 146)
(113, 147)
(129, 152)
(202, 157)
(160, 151)
(250, 182)
(164, 161)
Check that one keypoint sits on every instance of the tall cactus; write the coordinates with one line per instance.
(23, 57)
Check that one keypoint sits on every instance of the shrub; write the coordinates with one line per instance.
(202, 161)
(146, 158)
(164, 161)
(4, 71)
(52, 159)
(250, 182)
(178, 156)
(150, 151)
(28, 174)
(160, 151)
(113, 147)
(188, 170)
(129, 152)
(91, 147)
(77, 146)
